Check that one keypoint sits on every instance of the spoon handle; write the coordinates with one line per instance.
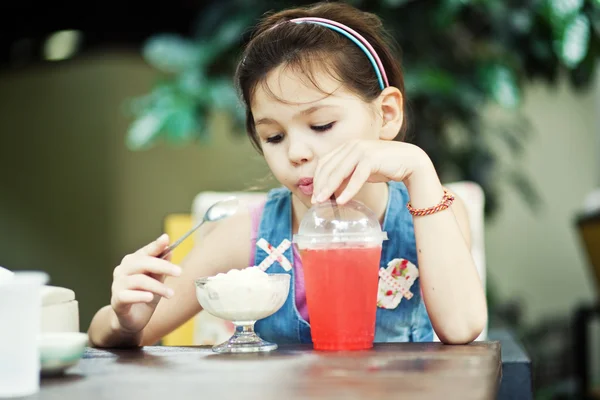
(171, 247)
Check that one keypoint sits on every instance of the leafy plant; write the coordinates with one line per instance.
(459, 56)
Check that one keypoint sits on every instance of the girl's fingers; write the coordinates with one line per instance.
(146, 283)
(333, 171)
(128, 297)
(138, 264)
(361, 174)
(342, 168)
(156, 247)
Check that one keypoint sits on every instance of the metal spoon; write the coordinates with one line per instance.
(221, 209)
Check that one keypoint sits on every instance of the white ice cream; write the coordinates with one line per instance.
(243, 295)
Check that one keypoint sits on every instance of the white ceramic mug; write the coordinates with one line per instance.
(20, 315)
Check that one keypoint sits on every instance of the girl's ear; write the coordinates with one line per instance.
(391, 108)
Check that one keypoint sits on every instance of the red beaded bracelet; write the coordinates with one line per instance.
(446, 202)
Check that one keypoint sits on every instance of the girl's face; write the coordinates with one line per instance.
(298, 123)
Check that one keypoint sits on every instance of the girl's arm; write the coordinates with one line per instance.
(226, 246)
(452, 290)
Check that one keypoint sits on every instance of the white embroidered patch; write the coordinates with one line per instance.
(395, 283)
(274, 254)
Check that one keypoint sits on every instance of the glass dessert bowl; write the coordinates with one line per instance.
(243, 297)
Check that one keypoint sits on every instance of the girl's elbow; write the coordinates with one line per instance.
(465, 332)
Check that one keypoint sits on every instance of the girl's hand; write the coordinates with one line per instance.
(361, 161)
(138, 285)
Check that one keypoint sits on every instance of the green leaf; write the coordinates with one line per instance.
(230, 31)
(564, 9)
(395, 3)
(542, 49)
(430, 81)
(181, 126)
(207, 53)
(514, 134)
(222, 94)
(144, 130)
(522, 20)
(170, 53)
(193, 83)
(167, 97)
(572, 47)
(447, 11)
(210, 18)
(525, 188)
(594, 16)
(138, 106)
(501, 83)
(224, 39)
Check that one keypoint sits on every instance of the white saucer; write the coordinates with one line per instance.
(60, 350)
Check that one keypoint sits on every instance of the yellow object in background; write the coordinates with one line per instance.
(176, 225)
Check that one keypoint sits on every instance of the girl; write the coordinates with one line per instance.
(325, 99)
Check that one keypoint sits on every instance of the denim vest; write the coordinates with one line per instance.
(408, 322)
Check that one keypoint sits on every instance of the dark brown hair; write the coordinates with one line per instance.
(306, 47)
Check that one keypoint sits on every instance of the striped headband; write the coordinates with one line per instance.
(357, 39)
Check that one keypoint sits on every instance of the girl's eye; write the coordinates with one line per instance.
(275, 139)
(322, 128)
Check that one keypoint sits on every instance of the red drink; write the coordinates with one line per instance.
(341, 293)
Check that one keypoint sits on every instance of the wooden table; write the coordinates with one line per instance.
(391, 370)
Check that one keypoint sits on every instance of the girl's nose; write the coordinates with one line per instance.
(299, 152)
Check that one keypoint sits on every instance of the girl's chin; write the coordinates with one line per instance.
(304, 199)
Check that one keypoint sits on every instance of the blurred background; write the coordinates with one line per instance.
(113, 116)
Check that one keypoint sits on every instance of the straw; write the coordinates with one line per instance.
(336, 212)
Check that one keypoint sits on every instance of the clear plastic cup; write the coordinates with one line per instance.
(20, 320)
(340, 247)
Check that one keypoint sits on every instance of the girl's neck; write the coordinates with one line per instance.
(373, 195)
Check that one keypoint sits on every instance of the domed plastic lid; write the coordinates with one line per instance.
(331, 225)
